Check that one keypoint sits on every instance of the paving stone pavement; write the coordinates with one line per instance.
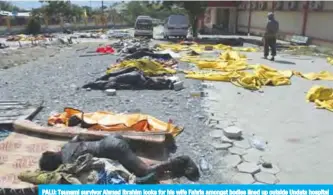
(298, 135)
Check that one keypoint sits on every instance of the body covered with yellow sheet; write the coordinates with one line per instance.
(108, 121)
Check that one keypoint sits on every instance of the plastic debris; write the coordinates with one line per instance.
(204, 165)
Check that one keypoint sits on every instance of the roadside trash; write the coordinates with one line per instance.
(110, 92)
(233, 132)
(267, 165)
(204, 165)
(197, 94)
(67, 31)
(104, 37)
(179, 85)
(206, 85)
(258, 143)
(3, 46)
(168, 51)
(193, 53)
(106, 49)
(173, 78)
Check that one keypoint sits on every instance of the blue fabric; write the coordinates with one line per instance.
(111, 178)
(4, 134)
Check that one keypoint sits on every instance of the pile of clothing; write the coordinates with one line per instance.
(119, 34)
(85, 170)
(130, 46)
(23, 37)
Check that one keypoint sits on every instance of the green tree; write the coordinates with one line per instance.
(193, 8)
(60, 8)
(8, 6)
(154, 9)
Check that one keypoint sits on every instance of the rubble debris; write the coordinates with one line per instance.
(272, 169)
(221, 146)
(131, 46)
(179, 85)
(3, 46)
(233, 132)
(258, 143)
(110, 92)
(204, 165)
(12, 110)
(118, 34)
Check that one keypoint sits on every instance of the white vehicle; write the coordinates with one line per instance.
(176, 26)
(143, 26)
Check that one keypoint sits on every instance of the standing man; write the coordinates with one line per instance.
(270, 36)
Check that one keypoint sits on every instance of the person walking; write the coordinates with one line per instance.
(269, 38)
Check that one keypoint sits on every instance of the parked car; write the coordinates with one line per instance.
(143, 26)
(176, 26)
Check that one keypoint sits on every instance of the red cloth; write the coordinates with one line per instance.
(106, 49)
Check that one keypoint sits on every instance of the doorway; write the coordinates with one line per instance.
(222, 19)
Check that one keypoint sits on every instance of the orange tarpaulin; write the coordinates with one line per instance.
(108, 121)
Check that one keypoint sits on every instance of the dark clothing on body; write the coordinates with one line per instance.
(116, 147)
(129, 78)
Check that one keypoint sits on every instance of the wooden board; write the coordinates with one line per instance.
(12, 110)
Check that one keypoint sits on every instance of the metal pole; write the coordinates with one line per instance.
(102, 7)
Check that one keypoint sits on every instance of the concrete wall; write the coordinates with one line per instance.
(319, 24)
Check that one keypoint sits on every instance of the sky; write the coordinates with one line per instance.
(35, 3)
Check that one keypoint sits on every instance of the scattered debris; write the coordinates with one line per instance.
(232, 132)
(204, 165)
(110, 92)
(179, 85)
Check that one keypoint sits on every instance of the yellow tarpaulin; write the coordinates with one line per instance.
(322, 75)
(149, 67)
(199, 48)
(321, 96)
(262, 75)
(108, 121)
(232, 55)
